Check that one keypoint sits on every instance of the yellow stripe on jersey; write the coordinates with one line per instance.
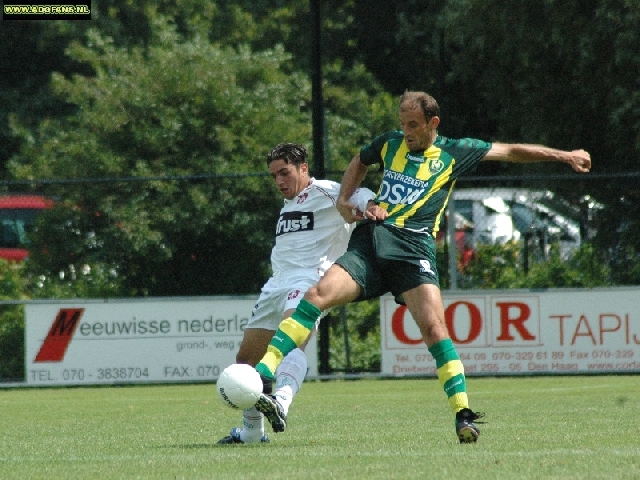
(396, 208)
(398, 165)
(383, 153)
(436, 225)
(431, 153)
(399, 158)
(384, 150)
(424, 173)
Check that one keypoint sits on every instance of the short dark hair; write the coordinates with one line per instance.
(426, 102)
(289, 152)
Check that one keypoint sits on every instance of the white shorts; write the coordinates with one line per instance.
(278, 295)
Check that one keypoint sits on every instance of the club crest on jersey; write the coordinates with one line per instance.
(414, 157)
(435, 166)
(294, 222)
(293, 294)
(302, 197)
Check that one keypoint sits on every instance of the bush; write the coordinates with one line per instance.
(12, 343)
(356, 347)
(499, 266)
(11, 322)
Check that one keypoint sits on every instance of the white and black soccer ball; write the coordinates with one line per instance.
(239, 386)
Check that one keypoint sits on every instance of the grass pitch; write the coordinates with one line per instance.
(538, 427)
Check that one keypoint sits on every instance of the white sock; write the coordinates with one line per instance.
(252, 425)
(289, 377)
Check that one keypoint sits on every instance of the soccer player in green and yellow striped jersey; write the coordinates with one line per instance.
(392, 249)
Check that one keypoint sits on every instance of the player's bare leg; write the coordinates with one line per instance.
(335, 288)
(289, 377)
(254, 344)
(425, 304)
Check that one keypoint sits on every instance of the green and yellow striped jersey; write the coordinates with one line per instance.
(416, 186)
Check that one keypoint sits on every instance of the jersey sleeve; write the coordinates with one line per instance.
(361, 197)
(371, 154)
(468, 152)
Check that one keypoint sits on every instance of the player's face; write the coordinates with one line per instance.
(419, 133)
(290, 180)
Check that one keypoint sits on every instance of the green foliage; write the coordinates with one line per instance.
(169, 90)
(620, 245)
(18, 283)
(355, 337)
(12, 343)
(177, 108)
(172, 109)
(157, 88)
(565, 80)
(493, 266)
(500, 266)
(11, 322)
(94, 280)
(583, 269)
(355, 346)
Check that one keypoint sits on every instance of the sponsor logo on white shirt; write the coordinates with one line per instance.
(294, 222)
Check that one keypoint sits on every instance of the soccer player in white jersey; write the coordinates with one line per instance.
(310, 235)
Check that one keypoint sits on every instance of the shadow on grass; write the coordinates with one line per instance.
(201, 446)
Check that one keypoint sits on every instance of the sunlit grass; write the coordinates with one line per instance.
(538, 427)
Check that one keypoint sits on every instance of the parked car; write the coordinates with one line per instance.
(17, 216)
(499, 215)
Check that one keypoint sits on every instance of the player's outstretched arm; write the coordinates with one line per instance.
(579, 160)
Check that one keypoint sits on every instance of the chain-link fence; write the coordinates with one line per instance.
(540, 216)
(514, 224)
(533, 211)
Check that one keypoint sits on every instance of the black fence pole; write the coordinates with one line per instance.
(318, 149)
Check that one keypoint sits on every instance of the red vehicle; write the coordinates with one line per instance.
(17, 215)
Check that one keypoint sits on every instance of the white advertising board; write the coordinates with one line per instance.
(513, 332)
(90, 342)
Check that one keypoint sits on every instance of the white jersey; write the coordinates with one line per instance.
(311, 233)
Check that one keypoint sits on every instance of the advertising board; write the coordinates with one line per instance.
(89, 342)
(512, 332)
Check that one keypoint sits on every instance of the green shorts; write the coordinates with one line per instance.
(383, 258)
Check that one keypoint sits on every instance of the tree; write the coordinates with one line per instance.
(560, 73)
(187, 124)
(174, 109)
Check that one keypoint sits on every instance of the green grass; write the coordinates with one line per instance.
(538, 427)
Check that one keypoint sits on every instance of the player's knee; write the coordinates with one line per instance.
(329, 292)
(312, 294)
(316, 295)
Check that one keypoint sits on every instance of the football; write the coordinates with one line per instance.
(239, 386)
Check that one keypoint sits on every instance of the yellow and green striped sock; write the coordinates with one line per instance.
(450, 372)
(293, 331)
